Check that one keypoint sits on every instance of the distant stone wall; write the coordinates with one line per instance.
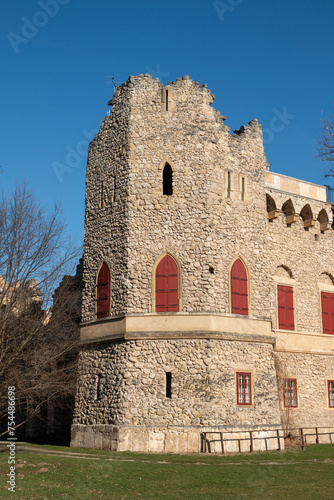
(307, 254)
(312, 373)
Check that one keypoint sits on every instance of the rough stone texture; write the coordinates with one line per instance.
(132, 384)
(311, 372)
(121, 401)
(306, 258)
(198, 223)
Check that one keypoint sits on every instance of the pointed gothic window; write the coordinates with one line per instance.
(167, 180)
(167, 285)
(239, 288)
(103, 292)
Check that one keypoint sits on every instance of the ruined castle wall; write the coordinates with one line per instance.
(106, 208)
(199, 224)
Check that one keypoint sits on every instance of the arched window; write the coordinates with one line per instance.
(167, 180)
(239, 288)
(167, 285)
(103, 292)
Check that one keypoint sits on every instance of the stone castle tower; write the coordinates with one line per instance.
(206, 276)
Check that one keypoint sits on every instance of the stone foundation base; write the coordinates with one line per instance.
(175, 439)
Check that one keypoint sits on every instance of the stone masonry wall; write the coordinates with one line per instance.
(106, 208)
(312, 372)
(307, 254)
(199, 223)
(127, 380)
(209, 220)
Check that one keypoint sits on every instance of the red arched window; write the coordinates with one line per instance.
(167, 285)
(103, 292)
(239, 288)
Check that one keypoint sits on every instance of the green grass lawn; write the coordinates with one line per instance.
(95, 474)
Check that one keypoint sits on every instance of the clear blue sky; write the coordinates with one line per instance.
(260, 58)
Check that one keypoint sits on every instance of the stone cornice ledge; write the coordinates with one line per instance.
(178, 326)
(304, 342)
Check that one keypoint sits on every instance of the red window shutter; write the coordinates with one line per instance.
(285, 307)
(327, 307)
(167, 286)
(103, 292)
(239, 288)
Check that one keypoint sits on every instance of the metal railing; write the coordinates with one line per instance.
(301, 433)
(329, 194)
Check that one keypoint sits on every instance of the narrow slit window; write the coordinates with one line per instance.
(166, 100)
(112, 191)
(98, 388)
(102, 195)
(242, 189)
(229, 184)
(168, 385)
(167, 180)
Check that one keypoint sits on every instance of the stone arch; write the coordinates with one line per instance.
(271, 204)
(327, 278)
(273, 213)
(307, 216)
(289, 211)
(283, 271)
(323, 220)
(171, 259)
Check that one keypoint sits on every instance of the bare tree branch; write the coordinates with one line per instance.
(325, 144)
(38, 343)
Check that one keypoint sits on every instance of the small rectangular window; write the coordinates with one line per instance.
(290, 393)
(168, 384)
(166, 100)
(331, 393)
(244, 388)
(242, 189)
